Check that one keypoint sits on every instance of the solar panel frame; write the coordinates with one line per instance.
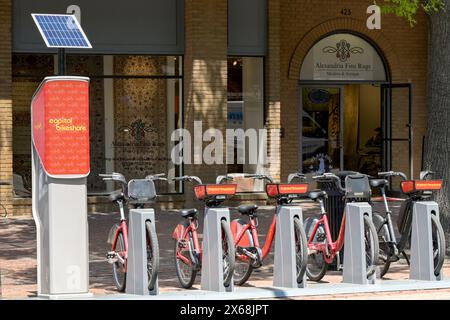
(61, 31)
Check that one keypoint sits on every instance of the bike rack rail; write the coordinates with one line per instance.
(212, 256)
(285, 266)
(421, 242)
(354, 253)
(137, 277)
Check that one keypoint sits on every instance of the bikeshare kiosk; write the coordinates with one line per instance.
(60, 165)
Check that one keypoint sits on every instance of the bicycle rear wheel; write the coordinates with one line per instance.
(186, 273)
(152, 254)
(438, 238)
(371, 245)
(119, 268)
(228, 253)
(384, 240)
(301, 249)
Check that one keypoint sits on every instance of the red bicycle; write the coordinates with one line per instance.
(321, 248)
(188, 250)
(249, 253)
(136, 192)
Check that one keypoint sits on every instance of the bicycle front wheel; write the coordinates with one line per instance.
(384, 240)
(119, 268)
(228, 253)
(316, 267)
(301, 249)
(371, 245)
(243, 265)
(186, 272)
(152, 254)
(438, 238)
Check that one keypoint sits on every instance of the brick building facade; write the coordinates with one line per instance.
(292, 28)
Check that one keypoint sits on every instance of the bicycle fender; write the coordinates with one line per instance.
(178, 232)
(236, 227)
(112, 234)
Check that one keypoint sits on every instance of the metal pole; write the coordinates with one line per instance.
(61, 62)
(411, 159)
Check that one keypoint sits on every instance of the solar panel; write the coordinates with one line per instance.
(61, 31)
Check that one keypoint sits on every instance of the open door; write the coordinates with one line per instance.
(397, 127)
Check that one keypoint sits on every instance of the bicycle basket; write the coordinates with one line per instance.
(357, 187)
(275, 190)
(417, 186)
(141, 190)
(217, 191)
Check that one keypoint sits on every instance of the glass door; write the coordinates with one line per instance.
(397, 128)
(321, 123)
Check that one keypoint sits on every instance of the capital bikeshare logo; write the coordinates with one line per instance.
(252, 146)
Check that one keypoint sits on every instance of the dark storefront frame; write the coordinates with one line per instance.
(180, 77)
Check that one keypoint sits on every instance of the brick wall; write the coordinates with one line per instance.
(205, 81)
(273, 85)
(405, 48)
(5, 106)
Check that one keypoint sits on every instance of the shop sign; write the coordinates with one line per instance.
(343, 57)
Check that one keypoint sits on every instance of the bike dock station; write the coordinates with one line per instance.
(212, 258)
(137, 276)
(285, 271)
(421, 240)
(60, 165)
(354, 254)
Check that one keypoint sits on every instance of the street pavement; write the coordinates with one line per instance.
(18, 258)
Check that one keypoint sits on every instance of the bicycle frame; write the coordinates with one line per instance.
(123, 228)
(251, 226)
(183, 234)
(330, 248)
(388, 220)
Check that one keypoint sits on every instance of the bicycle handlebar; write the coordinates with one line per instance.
(115, 176)
(327, 175)
(189, 179)
(424, 174)
(259, 177)
(297, 175)
(156, 177)
(393, 174)
(219, 179)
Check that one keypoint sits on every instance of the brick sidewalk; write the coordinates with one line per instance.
(18, 259)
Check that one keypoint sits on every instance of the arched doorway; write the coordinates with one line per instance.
(344, 116)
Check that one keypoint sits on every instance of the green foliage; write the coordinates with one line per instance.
(408, 8)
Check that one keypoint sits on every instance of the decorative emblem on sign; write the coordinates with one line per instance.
(320, 163)
(343, 50)
(137, 129)
(319, 96)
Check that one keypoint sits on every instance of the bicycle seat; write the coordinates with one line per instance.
(188, 213)
(248, 210)
(314, 195)
(116, 195)
(378, 183)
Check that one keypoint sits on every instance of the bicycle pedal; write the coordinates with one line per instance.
(111, 257)
(256, 264)
(394, 258)
(183, 244)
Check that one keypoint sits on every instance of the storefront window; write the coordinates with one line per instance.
(135, 104)
(245, 104)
